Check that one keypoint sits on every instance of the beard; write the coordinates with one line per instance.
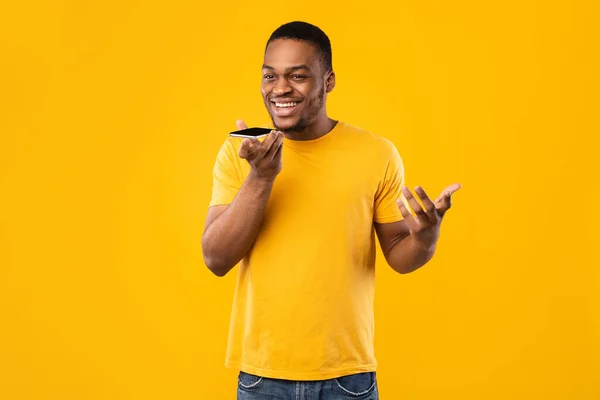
(304, 120)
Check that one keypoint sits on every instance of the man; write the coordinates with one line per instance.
(300, 210)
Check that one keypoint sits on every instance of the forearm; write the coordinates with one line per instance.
(229, 237)
(407, 255)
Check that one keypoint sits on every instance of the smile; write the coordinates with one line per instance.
(286, 105)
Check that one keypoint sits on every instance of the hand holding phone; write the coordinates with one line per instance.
(251, 133)
(264, 157)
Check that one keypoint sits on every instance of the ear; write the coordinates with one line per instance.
(330, 81)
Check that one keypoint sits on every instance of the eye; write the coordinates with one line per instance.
(268, 76)
(298, 77)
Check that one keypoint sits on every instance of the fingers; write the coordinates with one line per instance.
(278, 152)
(275, 148)
(403, 210)
(240, 125)
(254, 149)
(452, 188)
(415, 206)
(433, 211)
(247, 148)
(444, 201)
(412, 222)
(427, 204)
(263, 148)
(244, 148)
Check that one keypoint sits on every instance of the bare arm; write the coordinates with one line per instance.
(401, 251)
(231, 230)
(409, 244)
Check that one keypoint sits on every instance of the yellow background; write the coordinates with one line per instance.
(112, 113)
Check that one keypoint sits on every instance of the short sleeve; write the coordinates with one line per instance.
(386, 209)
(226, 177)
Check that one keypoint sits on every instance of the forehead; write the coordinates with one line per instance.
(284, 53)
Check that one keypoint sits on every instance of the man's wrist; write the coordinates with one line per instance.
(260, 180)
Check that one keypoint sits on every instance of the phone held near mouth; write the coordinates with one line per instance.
(251, 133)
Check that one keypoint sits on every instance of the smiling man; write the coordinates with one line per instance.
(301, 211)
(298, 104)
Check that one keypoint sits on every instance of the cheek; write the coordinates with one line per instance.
(265, 89)
(315, 94)
(308, 91)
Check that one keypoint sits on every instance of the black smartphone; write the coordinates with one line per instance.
(252, 133)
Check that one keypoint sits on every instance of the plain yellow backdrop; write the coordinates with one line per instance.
(111, 116)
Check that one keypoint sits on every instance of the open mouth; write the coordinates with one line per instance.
(285, 105)
(285, 108)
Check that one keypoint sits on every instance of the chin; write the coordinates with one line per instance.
(285, 125)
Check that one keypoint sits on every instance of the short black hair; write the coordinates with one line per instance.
(299, 30)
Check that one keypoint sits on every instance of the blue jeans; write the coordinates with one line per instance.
(361, 386)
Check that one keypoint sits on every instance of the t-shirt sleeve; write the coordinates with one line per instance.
(227, 179)
(386, 209)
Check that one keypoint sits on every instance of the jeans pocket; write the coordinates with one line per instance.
(356, 385)
(249, 381)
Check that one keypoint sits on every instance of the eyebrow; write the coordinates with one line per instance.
(290, 69)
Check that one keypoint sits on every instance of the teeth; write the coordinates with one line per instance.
(292, 104)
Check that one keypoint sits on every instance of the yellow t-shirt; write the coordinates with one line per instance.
(303, 303)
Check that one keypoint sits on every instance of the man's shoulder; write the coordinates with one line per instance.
(368, 138)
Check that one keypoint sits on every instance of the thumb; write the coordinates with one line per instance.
(240, 124)
(452, 188)
(444, 201)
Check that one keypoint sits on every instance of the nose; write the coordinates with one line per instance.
(281, 87)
